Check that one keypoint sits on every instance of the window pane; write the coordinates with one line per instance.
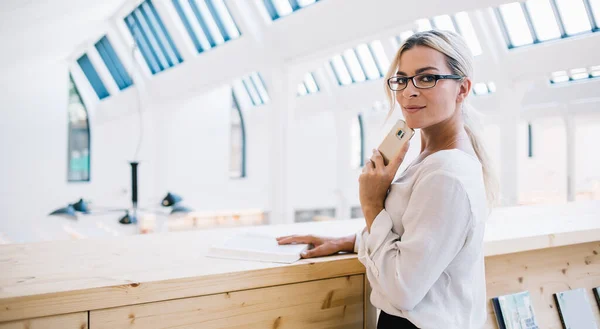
(423, 24)
(302, 89)
(516, 25)
(380, 58)
(356, 134)
(356, 71)
(559, 76)
(236, 156)
(468, 32)
(113, 63)
(596, 11)
(92, 75)
(364, 54)
(252, 92)
(304, 3)
(260, 86)
(543, 19)
(579, 73)
(340, 70)
(405, 35)
(208, 19)
(311, 83)
(480, 89)
(79, 137)
(444, 22)
(226, 19)
(574, 16)
(283, 7)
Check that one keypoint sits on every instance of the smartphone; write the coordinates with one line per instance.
(393, 142)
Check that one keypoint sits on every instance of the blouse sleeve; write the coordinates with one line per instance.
(436, 223)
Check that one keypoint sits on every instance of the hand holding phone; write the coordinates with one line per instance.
(393, 142)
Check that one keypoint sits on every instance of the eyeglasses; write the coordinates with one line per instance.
(421, 81)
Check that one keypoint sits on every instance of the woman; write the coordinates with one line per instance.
(423, 241)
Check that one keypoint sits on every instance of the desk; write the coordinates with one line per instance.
(149, 281)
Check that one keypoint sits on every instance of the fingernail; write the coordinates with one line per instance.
(303, 253)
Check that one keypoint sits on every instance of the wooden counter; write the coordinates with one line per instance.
(149, 281)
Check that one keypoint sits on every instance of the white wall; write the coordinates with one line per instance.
(186, 119)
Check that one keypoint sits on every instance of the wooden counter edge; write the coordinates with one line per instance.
(27, 307)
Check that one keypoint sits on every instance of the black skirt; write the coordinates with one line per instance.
(387, 321)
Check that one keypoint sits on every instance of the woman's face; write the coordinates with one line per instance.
(425, 107)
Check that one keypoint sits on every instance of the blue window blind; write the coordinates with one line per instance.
(208, 22)
(93, 77)
(113, 63)
(281, 8)
(152, 38)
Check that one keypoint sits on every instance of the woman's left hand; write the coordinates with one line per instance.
(374, 182)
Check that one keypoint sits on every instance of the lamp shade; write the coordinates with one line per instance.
(128, 219)
(68, 212)
(81, 206)
(179, 209)
(171, 199)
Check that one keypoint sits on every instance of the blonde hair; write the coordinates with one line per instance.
(460, 61)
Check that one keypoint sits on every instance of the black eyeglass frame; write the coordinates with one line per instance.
(435, 76)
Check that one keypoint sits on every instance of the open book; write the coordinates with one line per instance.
(255, 247)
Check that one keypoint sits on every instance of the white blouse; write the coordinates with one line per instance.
(424, 256)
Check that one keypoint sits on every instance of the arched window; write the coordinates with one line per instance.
(78, 169)
(237, 166)
(357, 136)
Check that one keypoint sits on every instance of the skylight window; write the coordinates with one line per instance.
(282, 8)
(92, 75)
(356, 71)
(543, 19)
(595, 9)
(559, 76)
(459, 23)
(465, 28)
(575, 74)
(484, 88)
(423, 24)
(253, 88)
(341, 71)
(113, 63)
(516, 25)
(152, 38)
(365, 62)
(444, 22)
(579, 73)
(574, 16)
(308, 86)
(383, 63)
(536, 21)
(208, 22)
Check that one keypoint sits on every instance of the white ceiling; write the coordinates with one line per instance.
(34, 32)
